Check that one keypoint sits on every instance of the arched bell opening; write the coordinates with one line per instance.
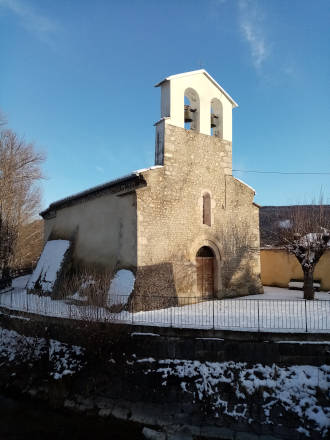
(206, 265)
(191, 110)
(216, 118)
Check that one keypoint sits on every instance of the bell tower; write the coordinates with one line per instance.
(193, 101)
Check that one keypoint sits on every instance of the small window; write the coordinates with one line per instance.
(207, 209)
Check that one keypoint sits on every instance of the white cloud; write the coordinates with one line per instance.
(32, 21)
(252, 28)
(290, 70)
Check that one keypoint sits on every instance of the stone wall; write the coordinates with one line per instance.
(169, 217)
(243, 385)
(103, 230)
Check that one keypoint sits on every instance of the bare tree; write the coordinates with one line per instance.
(28, 244)
(20, 172)
(306, 235)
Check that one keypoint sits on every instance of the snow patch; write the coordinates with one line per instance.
(148, 360)
(285, 224)
(20, 282)
(142, 170)
(296, 389)
(64, 359)
(302, 342)
(49, 265)
(300, 284)
(77, 297)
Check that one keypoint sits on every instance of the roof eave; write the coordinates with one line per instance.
(94, 190)
(194, 72)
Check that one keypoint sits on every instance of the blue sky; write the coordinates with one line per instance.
(77, 78)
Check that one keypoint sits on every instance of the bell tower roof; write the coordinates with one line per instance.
(196, 99)
(199, 72)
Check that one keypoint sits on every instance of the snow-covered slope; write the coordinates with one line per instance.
(49, 265)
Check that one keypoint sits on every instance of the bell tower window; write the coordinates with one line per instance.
(216, 118)
(191, 110)
(188, 114)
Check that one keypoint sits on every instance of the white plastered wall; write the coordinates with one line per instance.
(173, 96)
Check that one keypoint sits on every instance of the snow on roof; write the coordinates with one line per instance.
(241, 181)
(198, 72)
(142, 170)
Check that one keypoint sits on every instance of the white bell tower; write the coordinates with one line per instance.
(194, 101)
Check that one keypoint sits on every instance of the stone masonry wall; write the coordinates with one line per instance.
(103, 230)
(169, 218)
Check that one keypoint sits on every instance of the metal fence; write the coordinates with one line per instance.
(275, 315)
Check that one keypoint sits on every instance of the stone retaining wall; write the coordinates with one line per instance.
(126, 375)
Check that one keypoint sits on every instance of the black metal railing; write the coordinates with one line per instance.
(236, 314)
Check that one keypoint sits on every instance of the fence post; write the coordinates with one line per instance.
(306, 316)
(171, 317)
(213, 313)
(258, 317)
(132, 309)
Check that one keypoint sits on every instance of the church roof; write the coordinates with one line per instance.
(198, 72)
(133, 177)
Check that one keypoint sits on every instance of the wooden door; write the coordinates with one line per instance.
(205, 275)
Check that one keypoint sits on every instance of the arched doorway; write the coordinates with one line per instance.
(205, 264)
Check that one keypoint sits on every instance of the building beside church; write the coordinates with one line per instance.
(185, 226)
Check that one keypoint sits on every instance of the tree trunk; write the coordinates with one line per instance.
(309, 284)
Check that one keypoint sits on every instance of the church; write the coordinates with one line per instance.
(185, 227)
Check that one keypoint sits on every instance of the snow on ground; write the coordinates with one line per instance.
(273, 312)
(121, 287)
(295, 389)
(281, 293)
(49, 265)
(64, 359)
(20, 282)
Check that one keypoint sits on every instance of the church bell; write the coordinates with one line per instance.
(188, 113)
(213, 120)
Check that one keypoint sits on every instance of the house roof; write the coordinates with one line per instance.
(198, 72)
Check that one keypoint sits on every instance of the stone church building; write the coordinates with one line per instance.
(186, 227)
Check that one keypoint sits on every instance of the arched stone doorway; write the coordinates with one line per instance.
(206, 270)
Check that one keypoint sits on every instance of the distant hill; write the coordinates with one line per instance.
(273, 217)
